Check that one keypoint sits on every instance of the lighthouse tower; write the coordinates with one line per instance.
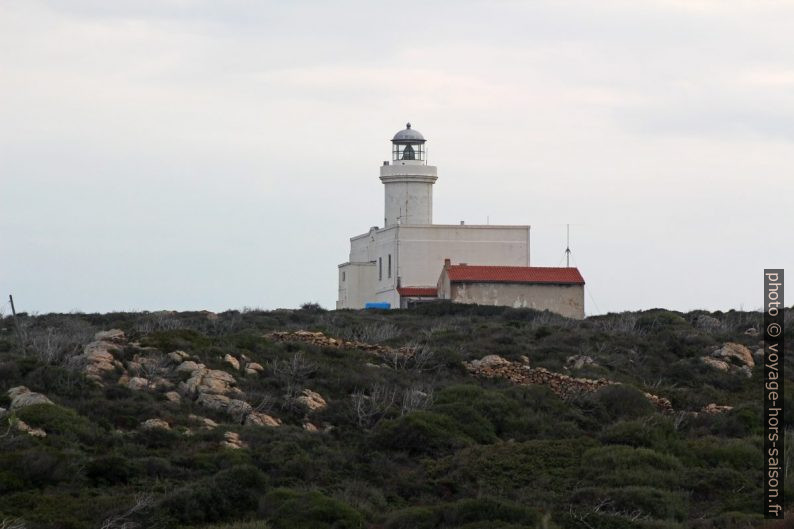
(408, 181)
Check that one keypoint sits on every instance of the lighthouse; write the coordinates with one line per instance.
(408, 181)
(411, 260)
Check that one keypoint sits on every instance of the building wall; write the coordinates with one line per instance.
(567, 300)
(408, 193)
(418, 253)
(355, 284)
(422, 249)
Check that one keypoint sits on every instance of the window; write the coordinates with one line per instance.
(380, 268)
(343, 277)
(389, 267)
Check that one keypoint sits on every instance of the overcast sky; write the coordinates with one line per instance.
(203, 154)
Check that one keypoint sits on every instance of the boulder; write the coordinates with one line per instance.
(713, 408)
(213, 402)
(138, 383)
(173, 396)
(214, 381)
(309, 427)
(221, 403)
(113, 335)
(209, 424)
(203, 380)
(22, 397)
(493, 361)
(752, 331)
(217, 374)
(256, 418)
(232, 440)
(97, 359)
(579, 361)
(232, 361)
(715, 363)
(161, 383)
(24, 427)
(188, 366)
(312, 400)
(255, 367)
(134, 367)
(178, 357)
(155, 424)
(737, 353)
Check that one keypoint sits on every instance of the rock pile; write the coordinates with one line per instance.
(494, 366)
(149, 370)
(731, 358)
(321, 340)
(216, 390)
(97, 359)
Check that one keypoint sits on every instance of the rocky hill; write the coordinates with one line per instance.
(443, 416)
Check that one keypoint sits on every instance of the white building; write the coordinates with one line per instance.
(401, 262)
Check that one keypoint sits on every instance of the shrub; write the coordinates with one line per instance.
(229, 493)
(656, 432)
(623, 465)
(176, 339)
(420, 432)
(289, 509)
(58, 421)
(623, 402)
(414, 518)
(634, 501)
(543, 470)
(470, 512)
(109, 470)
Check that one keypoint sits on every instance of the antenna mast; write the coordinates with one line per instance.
(567, 245)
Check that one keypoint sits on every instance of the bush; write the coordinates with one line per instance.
(623, 402)
(420, 432)
(229, 493)
(469, 512)
(56, 420)
(656, 432)
(623, 465)
(290, 509)
(635, 501)
(109, 470)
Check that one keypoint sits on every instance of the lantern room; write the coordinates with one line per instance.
(408, 145)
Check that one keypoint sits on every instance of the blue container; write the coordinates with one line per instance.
(378, 305)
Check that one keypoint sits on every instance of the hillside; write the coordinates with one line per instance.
(444, 416)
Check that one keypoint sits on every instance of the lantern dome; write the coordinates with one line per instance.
(408, 135)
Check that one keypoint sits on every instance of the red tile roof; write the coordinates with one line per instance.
(514, 274)
(418, 291)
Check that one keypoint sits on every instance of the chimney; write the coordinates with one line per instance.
(447, 263)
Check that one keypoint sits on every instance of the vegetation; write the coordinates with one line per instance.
(418, 444)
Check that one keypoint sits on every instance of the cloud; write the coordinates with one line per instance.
(191, 154)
